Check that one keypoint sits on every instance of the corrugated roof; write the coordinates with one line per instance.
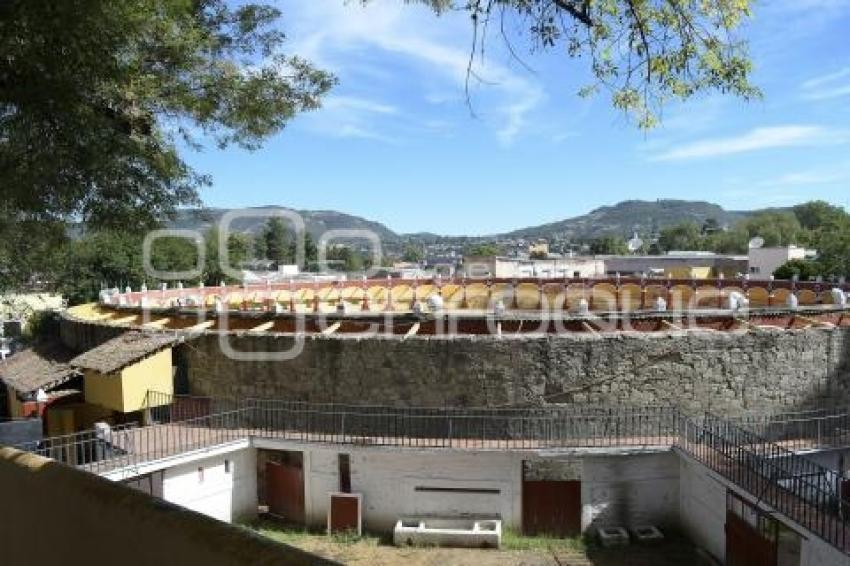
(42, 366)
(125, 350)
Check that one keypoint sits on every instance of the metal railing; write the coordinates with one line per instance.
(482, 428)
(793, 485)
(804, 491)
(84, 449)
(803, 430)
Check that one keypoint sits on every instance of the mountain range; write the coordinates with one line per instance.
(621, 219)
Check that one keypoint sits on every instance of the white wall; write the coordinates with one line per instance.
(623, 489)
(818, 553)
(703, 514)
(764, 261)
(388, 479)
(702, 507)
(629, 491)
(224, 496)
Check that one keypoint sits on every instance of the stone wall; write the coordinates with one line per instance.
(701, 371)
(717, 371)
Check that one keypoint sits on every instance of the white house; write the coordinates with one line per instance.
(763, 262)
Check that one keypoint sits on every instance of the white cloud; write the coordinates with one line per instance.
(831, 85)
(337, 35)
(354, 104)
(755, 140)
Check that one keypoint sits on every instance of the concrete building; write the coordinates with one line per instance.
(763, 262)
(508, 268)
(567, 471)
(678, 265)
(539, 248)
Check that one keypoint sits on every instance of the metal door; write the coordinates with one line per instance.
(551, 508)
(285, 490)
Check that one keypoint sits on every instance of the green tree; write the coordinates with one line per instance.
(609, 245)
(803, 269)
(485, 249)
(239, 247)
(816, 215)
(277, 244)
(776, 228)
(345, 259)
(645, 53)
(311, 253)
(98, 259)
(710, 226)
(94, 95)
(413, 253)
(685, 236)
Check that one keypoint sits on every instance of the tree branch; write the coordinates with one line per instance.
(581, 14)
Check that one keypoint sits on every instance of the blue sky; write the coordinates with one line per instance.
(396, 141)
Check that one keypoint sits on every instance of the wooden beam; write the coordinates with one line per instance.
(412, 331)
(815, 322)
(670, 326)
(123, 319)
(588, 327)
(748, 325)
(157, 323)
(264, 327)
(332, 328)
(201, 326)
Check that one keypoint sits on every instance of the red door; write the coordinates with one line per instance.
(551, 508)
(745, 546)
(285, 490)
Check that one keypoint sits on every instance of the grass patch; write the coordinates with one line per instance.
(512, 540)
(295, 535)
(302, 537)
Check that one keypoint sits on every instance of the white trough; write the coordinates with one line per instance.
(455, 533)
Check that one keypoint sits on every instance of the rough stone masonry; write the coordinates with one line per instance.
(723, 372)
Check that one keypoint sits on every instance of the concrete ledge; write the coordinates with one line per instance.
(53, 514)
(456, 533)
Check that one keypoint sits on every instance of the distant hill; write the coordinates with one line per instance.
(621, 219)
(624, 218)
(318, 221)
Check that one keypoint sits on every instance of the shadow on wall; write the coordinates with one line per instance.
(53, 513)
(835, 391)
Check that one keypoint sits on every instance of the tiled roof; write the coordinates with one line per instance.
(42, 366)
(125, 350)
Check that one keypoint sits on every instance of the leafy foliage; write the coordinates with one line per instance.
(609, 245)
(643, 52)
(802, 269)
(482, 249)
(817, 224)
(96, 94)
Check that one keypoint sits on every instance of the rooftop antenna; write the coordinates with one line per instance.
(756, 243)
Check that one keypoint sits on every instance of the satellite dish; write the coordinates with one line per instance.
(635, 244)
(756, 243)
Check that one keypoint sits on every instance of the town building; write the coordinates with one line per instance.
(763, 262)
(677, 265)
(556, 268)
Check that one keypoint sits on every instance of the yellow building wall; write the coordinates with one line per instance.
(66, 419)
(15, 406)
(103, 389)
(126, 391)
(151, 374)
(688, 272)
